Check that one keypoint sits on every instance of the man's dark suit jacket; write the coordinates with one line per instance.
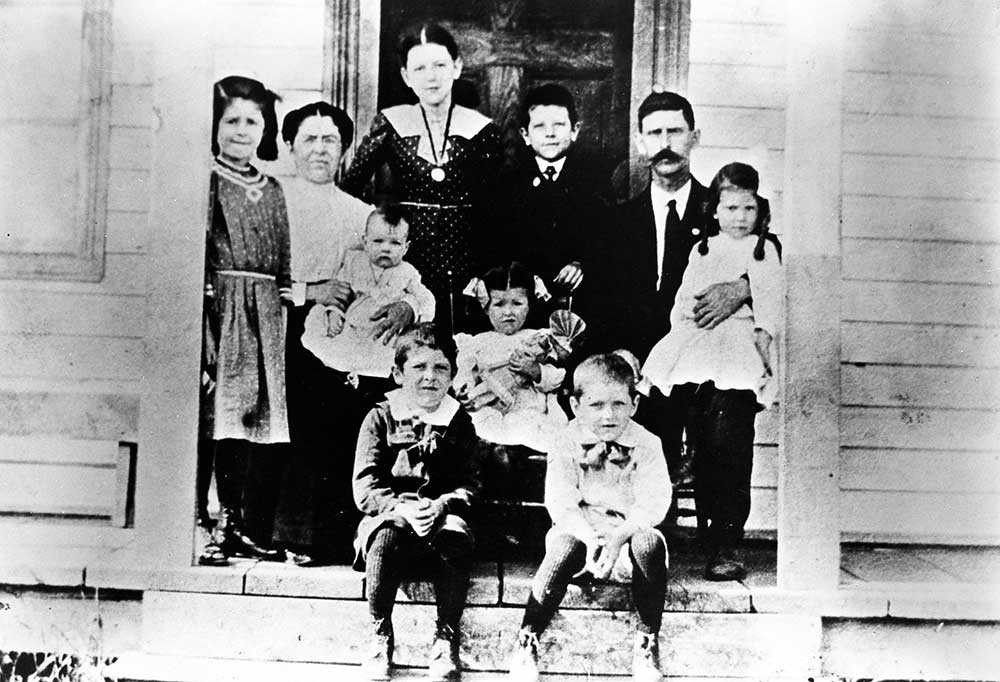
(634, 313)
(551, 224)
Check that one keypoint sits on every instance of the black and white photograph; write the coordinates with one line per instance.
(521, 340)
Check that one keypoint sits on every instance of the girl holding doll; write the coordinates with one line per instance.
(507, 377)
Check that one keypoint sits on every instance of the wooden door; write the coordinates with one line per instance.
(509, 46)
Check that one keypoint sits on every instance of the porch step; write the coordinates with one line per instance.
(579, 641)
(136, 667)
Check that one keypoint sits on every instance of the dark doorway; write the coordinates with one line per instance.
(509, 46)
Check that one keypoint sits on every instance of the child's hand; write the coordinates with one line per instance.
(609, 555)
(593, 557)
(332, 292)
(525, 364)
(421, 514)
(334, 320)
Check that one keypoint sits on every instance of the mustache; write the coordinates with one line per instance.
(666, 155)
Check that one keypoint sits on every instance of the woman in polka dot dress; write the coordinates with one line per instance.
(444, 160)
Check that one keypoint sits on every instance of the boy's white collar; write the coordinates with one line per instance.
(584, 436)
(400, 409)
(543, 164)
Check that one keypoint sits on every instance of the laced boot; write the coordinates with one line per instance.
(378, 663)
(646, 658)
(524, 659)
(724, 564)
(237, 543)
(444, 662)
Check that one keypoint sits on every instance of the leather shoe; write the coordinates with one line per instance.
(238, 544)
(725, 566)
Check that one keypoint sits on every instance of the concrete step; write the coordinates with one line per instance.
(137, 667)
(580, 641)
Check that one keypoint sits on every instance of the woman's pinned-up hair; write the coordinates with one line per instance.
(293, 120)
(241, 87)
(424, 34)
(743, 176)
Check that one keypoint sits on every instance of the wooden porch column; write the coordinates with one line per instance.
(168, 425)
(808, 482)
(350, 54)
(661, 31)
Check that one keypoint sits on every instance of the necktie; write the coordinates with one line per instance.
(671, 228)
(550, 173)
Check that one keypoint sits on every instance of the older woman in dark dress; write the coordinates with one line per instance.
(444, 159)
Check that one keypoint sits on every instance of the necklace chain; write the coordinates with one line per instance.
(430, 135)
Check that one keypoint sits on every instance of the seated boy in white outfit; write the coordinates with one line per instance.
(606, 489)
(378, 275)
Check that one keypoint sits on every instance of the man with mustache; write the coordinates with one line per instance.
(660, 226)
(647, 252)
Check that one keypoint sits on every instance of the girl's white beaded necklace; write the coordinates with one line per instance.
(252, 184)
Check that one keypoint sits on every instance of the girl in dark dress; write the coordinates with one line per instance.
(444, 160)
(247, 277)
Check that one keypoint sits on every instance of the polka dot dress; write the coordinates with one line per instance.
(445, 232)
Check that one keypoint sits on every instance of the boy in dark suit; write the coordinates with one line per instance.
(557, 195)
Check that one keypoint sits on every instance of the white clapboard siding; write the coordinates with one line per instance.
(60, 476)
(280, 68)
(70, 414)
(903, 260)
(742, 12)
(920, 344)
(126, 232)
(921, 140)
(904, 470)
(755, 87)
(27, 31)
(765, 466)
(964, 17)
(266, 25)
(919, 428)
(736, 44)
(735, 126)
(47, 312)
(923, 516)
(919, 177)
(879, 49)
(132, 64)
(55, 489)
(967, 219)
(877, 94)
(763, 510)
(958, 304)
(921, 136)
(124, 274)
(947, 387)
(71, 357)
(130, 148)
(132, 105)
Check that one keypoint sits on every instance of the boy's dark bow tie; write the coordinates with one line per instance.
(595, 454)
(550, 173)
